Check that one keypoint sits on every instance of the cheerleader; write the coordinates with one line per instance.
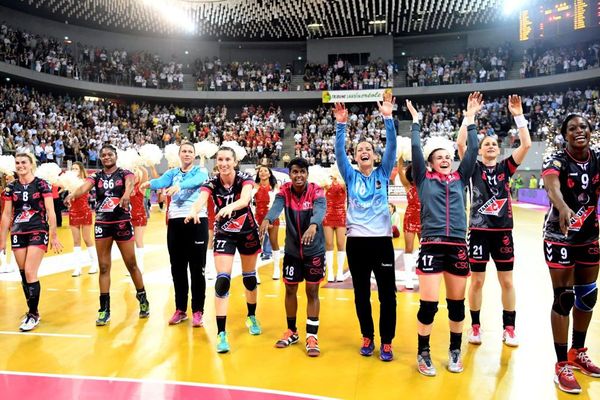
(80, 222)
(335, 224)
(139, 217)
(266, 185)
(411, 225)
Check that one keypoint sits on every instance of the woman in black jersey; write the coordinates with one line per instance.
(113, 223)
(572, 180)
(235, 228)
(29, 208)
(491, 221)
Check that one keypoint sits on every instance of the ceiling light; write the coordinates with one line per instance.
(378, 22)
(314, 25)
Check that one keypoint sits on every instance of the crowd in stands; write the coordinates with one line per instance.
(476, 65)
(315, 129)
(213, 75)
(89, 63)
(542, 61)
(65, 128)
(342, 75)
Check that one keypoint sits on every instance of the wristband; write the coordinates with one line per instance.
(520, 121)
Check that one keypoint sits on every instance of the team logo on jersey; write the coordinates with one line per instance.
(109, 204)
(234, 224)
(462, 254)
(492, 207)
(25, 216)
(505, 240)
(576, 222)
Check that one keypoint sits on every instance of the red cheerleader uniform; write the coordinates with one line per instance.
(138, 211)
(211, 213)
(262, 200)
(335, 216)
(412, 215)
(80, 213)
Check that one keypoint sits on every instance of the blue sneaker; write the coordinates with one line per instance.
(103, 318)
(222, 343)
(385, 352)
(367, 347)
(253, 325)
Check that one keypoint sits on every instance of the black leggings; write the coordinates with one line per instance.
(187, 245)
(376, 254)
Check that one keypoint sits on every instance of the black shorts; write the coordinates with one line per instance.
(498, 244)
(119, 231)
(24, 240)
(566, 255)
(311, 269)
(438, 255)
(246, 243)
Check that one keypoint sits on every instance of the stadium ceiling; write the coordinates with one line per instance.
(268, 19)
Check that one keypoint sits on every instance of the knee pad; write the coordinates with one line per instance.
(456, 310)
(249, 279)
(586, 296)
(222, 285)
(564, 299)
(427, 311)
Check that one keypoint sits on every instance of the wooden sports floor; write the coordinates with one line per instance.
(68, 357)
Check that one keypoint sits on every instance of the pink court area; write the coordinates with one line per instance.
(47, 386)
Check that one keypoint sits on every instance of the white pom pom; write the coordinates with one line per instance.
(129, 159)
(172, 155)
(319, 175)
(403, 148)
(438, 142)
(151, 154)
(7, 165)
(240, 152)
(48, 172)
(70, 181)
(205, 149)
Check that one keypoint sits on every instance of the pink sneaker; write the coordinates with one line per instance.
(197, 321)
(178, 316)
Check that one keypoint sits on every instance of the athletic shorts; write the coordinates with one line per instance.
(246, 243)
(119, 231)
(438, 255)
(566, 255)
(498, 244)
(24, 240)
(311, 269)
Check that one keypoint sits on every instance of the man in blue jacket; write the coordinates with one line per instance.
(304, 204)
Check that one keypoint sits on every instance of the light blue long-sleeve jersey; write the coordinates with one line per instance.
(368, 214)
(189, 183)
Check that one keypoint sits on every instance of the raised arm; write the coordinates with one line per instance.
(402, 173)
(389, 155)
(475, 98)
(467, 165)
(341, 117)
(516, 109)
(418, 161)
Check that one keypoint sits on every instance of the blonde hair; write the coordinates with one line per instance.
(82, 172)
(31, 158)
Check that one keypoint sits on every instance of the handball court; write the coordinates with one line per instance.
(68, 357)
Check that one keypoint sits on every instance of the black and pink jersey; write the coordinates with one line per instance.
(491, 207)
(29, 210)
(109, 190)
(241, 221)
(579, 185)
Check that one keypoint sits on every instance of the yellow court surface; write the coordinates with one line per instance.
(67, 342)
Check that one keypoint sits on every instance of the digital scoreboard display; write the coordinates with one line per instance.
(558, 17)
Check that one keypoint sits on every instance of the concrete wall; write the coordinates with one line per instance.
(378, 46)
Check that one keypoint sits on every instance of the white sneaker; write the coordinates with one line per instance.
(425, 365)
(409, 283)
(509, 337)
(276, 273)
(30, 322)
(76, 272)
(93, 269)
(340, 277)
(330, 276)
(257, 278)
(454, 361)
(6, 268)
(475, 334)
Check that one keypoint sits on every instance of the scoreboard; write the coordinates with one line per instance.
(558, 17)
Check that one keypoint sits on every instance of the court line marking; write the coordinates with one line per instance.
(167, 382)
(67, 335)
